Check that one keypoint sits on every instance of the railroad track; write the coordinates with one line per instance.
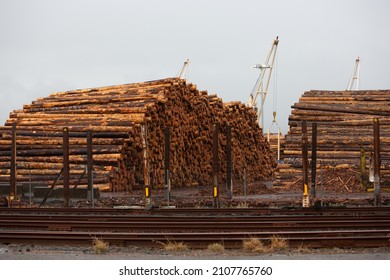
(203, 211)
(308, 227)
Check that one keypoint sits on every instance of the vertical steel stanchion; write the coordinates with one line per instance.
(363, 171)
(13, 192)
(166, 161)
(377, 163)
(66, 166)
(215, 165)
(245, 187)
(313, 160)
(90, 194)
(229, 180)
(305, 164)
(29, 187)
(144, 136)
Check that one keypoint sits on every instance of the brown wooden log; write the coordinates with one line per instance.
(115, 114)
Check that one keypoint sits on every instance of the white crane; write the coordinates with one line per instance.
(261, 86)
(183, 70)
(355, 75)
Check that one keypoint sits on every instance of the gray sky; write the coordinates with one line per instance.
(48, 46)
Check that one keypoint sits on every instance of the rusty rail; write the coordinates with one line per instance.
(368, 227)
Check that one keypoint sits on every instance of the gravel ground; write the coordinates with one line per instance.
(27, 252)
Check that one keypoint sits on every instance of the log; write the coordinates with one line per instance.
(345, 124)
(115, 115)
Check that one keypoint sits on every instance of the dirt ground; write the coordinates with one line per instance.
(29, 252)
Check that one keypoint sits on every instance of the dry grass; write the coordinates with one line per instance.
(216, 247)
(278, 243)
(303, 249)
(174, 246)
(254, 245)
(99, 246)
(241, 205)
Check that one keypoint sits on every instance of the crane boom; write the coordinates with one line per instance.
(355, 75)
(183, 70)
(262, 83)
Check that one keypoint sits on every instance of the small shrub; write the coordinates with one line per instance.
(99, 246)
(216, 247)
(278, 242)
(175, 246)
(254, 245)
(303, 249)
(242, 205)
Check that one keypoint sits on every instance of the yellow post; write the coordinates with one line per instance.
(215, 192)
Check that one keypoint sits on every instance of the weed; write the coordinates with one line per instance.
(242, 205)
(303, 249)
(254, 245)
(278, 242)
(216, 247)
(174, 246)
(99, 246)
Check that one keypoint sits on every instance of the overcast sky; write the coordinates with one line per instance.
(48, 46)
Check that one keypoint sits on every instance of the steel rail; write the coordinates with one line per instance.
(314, 228)
(313, 239)
(207, 211)
(189, 225)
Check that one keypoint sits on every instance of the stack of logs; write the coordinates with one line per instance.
(344, 126)
(115, 115)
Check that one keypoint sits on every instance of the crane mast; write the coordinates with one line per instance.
(355, 75)
(262, 83)
(183, 70)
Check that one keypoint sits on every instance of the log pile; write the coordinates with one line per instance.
(344, 126)
(128, 122)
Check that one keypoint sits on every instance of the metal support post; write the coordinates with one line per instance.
(66, 166)
(305, 164)
(313, 159)
(229, 180)
(363, 171)
(215, 165)
(13, 192)
(90, 194)
(279, 144)
(29, 187)
(166, 161)
(148, 202)
(245, 187)
(377, 163)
